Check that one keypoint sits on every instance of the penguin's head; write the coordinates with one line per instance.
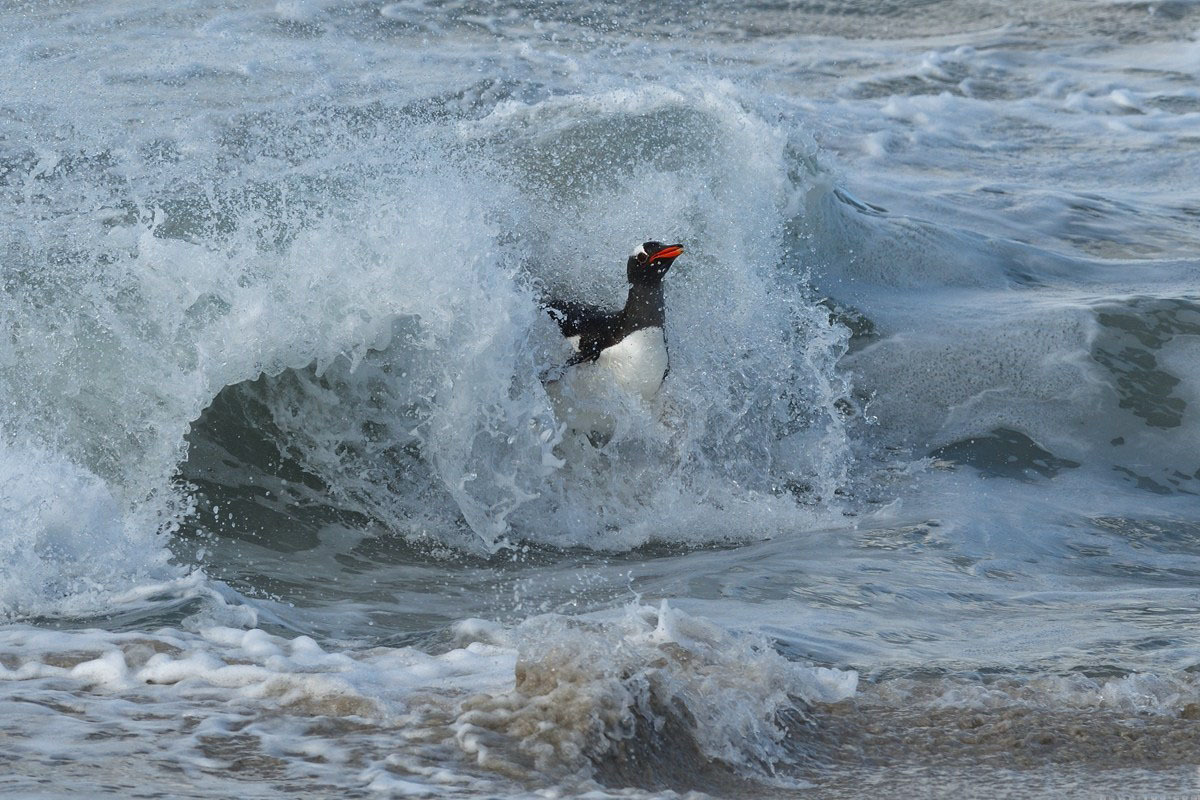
(650, 261)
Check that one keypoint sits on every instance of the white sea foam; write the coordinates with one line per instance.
(65, 545)
(416, 307)
(561, 694)
(1133, 694)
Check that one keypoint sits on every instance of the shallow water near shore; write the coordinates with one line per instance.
(284, 505)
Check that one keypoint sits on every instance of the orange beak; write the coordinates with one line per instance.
(670, 251)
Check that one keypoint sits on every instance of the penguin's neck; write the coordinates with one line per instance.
(644, 306)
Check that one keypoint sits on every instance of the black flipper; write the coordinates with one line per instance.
(577, 319)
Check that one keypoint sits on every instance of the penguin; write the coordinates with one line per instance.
(626, 349)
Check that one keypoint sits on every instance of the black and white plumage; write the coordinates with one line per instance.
(626, 348)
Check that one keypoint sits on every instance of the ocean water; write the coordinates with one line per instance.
(284, 506)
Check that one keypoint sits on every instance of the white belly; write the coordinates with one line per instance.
(636, 365)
